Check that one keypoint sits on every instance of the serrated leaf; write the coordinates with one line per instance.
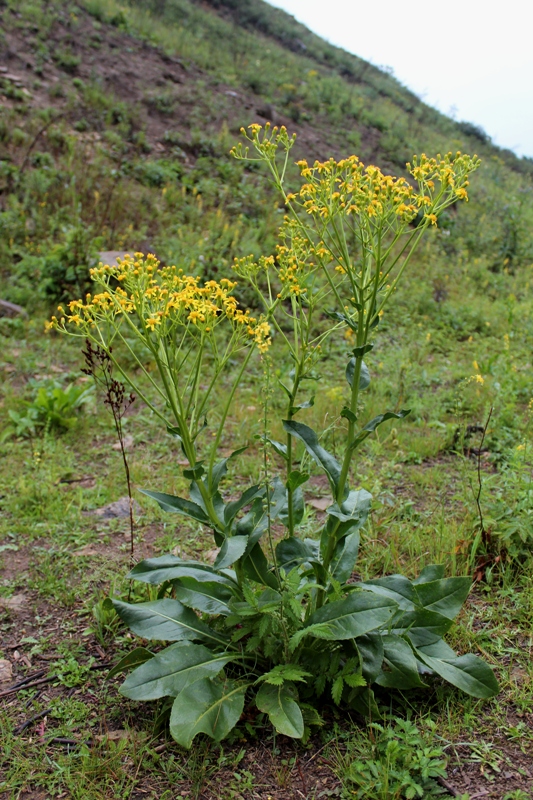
(232, 549)
(279, 703)
(307, 435)
(284, 672)
(169, 502)
(336, 689)
(167, 620)
(130, 661)
(206, 706)
(171, 670)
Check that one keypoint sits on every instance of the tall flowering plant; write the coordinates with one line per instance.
(278, 622)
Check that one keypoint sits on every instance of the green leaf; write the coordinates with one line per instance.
(371, 426)
(354, 509)
(423, 627)
(278, 447)
(363, 701)
(256, 568)
(370, 649)
(305, 434)
(296, 479)
(364, 377)
(344, 558)
(350, 617)
(402, 664)
(336, 689)
(169, 568)
(169, 502)
(284, 672)
(307, 404)
(348, 414)
(206, 706)
(253, 524)
(446, 596)
(167, 620)
(231, 550)
(247, 497)
(433, 572)
(220, 469)
(467, 672)
(133, 659)
(171, 670)
(292, 552)
(279, 703)
(439, 650)
(208, 598)
(397, 587)
(194, 473)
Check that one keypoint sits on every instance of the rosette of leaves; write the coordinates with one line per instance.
(282, 629)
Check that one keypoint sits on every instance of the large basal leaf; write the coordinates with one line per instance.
(169, 502)
(397, 587)
(344, 558)
(433, 572)
(131, 660)
(279, 703)
(167, 620)
(350, 617)
(423, 627)
(169, 568)
(446, 596)
(232, 549)
(206, 706)
(402, 672)
(256, 568)
(329, 463)
(209, 598)
(171, 670)
(292, 552)
(467, 672)
(370, 649)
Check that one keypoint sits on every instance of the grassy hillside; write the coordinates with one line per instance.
(116, 121)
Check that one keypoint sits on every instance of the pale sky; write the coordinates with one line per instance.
(472, 60)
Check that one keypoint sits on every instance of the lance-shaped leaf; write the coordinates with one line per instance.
(423, 627)
(446, 596)
(247, 497)
(220, 469)
(169, 568)
(433, 572)
(354, 509)
(131, 660)
(305, 434)
(170, 502)
(230, 552)
(253, 524)
(206, 597)
(256, 568)
(402, 672)
(350, 617)
(167, 620)
(364, 376)
(371, 426)
(292, 552)
(171, 670)
(370, 649)
(279, 703)
(344, 558)
(206, 706)
(397, 587)
(467, 672)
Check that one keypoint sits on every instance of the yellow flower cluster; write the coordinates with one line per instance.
(348, 187)
(450, 172)
(161, 299)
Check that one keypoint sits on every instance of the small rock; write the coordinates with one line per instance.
(6, 670)
(120, 508)
(128, 444)
(8, 309)
(211, 555)
(320, 503)
(15, 603)
(88, 550)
